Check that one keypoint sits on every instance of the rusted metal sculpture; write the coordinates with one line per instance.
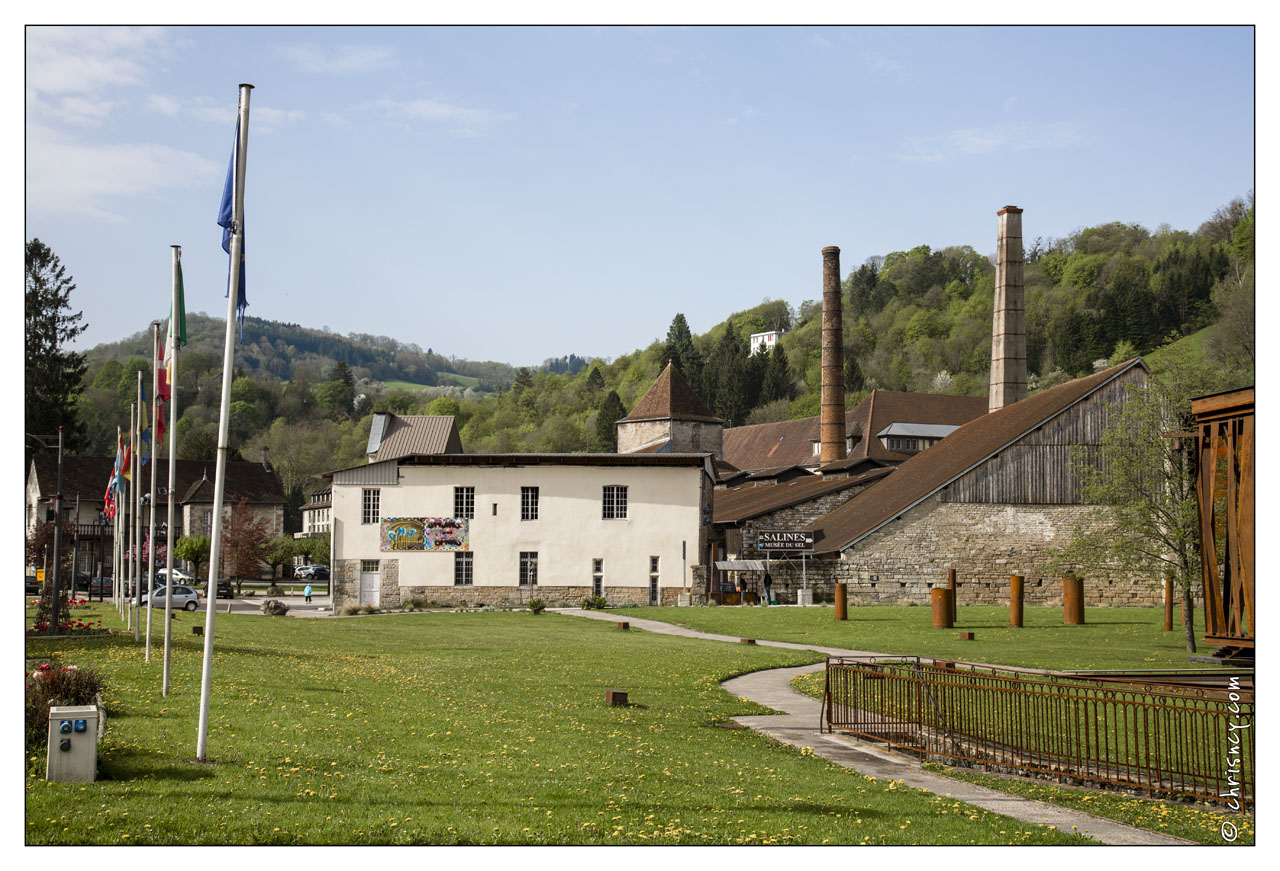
(1224, 490)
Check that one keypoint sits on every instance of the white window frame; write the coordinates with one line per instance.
(528, 503)
(613, 502)
(370, 505)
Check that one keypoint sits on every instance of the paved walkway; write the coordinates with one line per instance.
(799, 725)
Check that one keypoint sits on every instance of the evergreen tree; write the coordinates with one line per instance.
(607, 418)
(53, 375)
(595, 381)
(777, 378)
(728, 370)
(853, 380)
(680, 350)
(524, 380)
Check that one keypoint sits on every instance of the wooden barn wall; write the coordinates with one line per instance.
(1038, 469)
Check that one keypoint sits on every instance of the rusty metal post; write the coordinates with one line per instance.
(1168, 604)
(940, 599)
(842, 600)
(1015, 600)
(1073, 600)
(955, 592)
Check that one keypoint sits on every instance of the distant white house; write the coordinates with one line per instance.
(762, 343)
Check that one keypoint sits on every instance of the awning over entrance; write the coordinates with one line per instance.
(740, 565)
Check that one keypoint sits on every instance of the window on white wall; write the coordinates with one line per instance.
(464, 502)
(371, 511)
(528, 503)
(615, 502)
(462, 568)
(528, 568)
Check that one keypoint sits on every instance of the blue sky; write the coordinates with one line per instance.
(522, 193)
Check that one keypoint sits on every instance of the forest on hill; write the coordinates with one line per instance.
(916, 320)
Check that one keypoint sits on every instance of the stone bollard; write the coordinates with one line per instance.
(1015, 600)
(1073, 600)
(940, 599)
(842, 601)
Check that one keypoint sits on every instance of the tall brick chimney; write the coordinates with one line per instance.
(1009, 322)
(831, 434)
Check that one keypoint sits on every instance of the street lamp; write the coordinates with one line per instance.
(54, 591)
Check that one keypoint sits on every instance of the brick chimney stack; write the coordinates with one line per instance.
(1009, 322)
(831, 434)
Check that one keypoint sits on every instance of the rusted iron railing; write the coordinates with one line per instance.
(1160, 738)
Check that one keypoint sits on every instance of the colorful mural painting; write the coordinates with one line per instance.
(425, 533)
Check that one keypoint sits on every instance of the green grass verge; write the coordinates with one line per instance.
(1112, 638)
(461, 729)
(1197, 822)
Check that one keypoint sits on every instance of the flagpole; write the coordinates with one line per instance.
(228, 355)
(136, 551)
(171, 377)
(155, 452)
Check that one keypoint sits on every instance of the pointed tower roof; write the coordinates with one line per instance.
(671, 398)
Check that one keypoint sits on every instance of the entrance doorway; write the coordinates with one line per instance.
(370, 582)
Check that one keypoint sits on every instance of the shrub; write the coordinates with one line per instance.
(594, 603)
(413, 603)
(275, 608)
(537, 606)
(50, 686)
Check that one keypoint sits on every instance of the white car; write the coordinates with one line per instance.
(184, 598)
(179, 576)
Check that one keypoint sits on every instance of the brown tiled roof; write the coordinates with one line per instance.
(780, 474)
(932, 469)
(671, 397)
(747, 500)
(408, 434)
(883, 407)
(88, 476)
(790, 442)
(767, 445)
(852, 465)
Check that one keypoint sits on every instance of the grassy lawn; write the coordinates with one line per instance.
(1112, 638)
(462, 729)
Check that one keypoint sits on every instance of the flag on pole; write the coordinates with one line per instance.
(144, 447)
(227, 222)
(176, 338)
(127, 471)
(162, 392)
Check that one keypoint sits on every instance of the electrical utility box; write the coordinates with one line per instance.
(73, 744)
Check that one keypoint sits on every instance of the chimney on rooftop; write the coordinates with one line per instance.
(831, 435)
(1009, 321)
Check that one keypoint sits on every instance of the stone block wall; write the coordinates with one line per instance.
(985, 543)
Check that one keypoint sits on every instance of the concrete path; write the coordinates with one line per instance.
(799, 726)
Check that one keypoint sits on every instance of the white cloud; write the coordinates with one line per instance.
(1009, 103)
(65, 176)
(163, 105)
(460, 121)
(340, 60)
(1004, 136)
(89, 60)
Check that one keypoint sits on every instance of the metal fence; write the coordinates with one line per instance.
(1161, 738)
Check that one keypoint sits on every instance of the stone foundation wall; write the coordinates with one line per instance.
(984, 543)
(346, 590)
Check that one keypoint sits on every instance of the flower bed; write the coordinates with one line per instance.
(69, 627)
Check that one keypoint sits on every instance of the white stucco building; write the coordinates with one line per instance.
(504, 528)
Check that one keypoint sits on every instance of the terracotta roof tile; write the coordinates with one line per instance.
(790, 442)
(671, 397)
(932, 469)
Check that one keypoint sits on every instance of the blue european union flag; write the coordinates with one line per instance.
(225, 219)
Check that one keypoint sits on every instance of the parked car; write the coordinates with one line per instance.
(100, 587)
(179, 576)
(80, 584)
(33, 586)
(312, 573)
(184, 597)
(226, 588)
